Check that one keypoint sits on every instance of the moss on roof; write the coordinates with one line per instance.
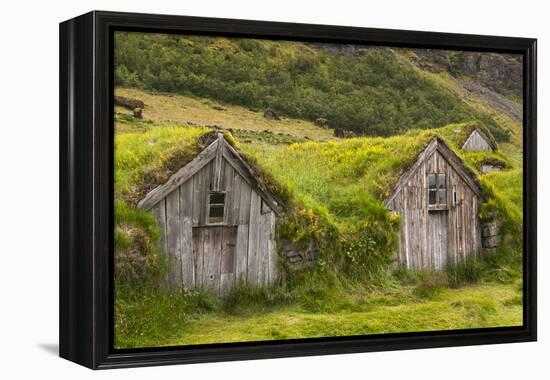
(335, 177)
(146, 160)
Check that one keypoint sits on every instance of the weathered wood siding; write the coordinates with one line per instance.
(477, 142)
(434, 238)
(216, 257)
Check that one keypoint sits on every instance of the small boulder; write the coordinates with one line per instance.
(339, 133)
(270, 114)
(321, 122)
(138, 113)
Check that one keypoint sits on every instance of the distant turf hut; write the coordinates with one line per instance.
(438, 200)
(218, 224)
(479, 141)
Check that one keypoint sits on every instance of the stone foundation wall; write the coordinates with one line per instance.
(490, 237)
(297, 255)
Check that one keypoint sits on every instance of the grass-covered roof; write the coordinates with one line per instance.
(345, 180)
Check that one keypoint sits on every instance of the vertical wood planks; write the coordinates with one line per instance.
(254, 229)
(186, 222)
(197, 197)
(198, 254)
(235, 199)
(174, 237)
(227, 270)
(159, 210)
(272, 250)
(215, 257)
(432, 239)
(244, 204)
(241, 253)
(212, 257)
(476, 142)
(226, 184)
(263, 248)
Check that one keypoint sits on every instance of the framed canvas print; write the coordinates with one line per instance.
(239, 189)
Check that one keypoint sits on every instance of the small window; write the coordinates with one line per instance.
(442, 189)
(437, 190)
(216, 208)
(432, 189)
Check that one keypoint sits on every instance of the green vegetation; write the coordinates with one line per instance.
(156, 318)
(332, 189)
(333, 192)
(374, 94)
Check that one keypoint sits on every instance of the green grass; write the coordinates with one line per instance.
(146, 159)
(170, 321)
(163, 108)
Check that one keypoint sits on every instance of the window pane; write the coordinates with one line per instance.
(442, 197)
(441, 182)
(431, 181)
(432, 197)
(216, 207)
(217, 198)
(216, 211)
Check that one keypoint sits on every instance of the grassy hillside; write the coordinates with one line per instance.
(185, 110)
(372, 94)
(334, 192)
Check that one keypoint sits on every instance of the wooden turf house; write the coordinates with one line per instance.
(479, 141)
(438, 200)
(218, 224)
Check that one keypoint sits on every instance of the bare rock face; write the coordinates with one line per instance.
(501, 73)
(270, 114)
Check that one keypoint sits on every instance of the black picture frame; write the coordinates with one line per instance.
(86, 189)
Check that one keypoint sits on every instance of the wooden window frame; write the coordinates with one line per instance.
(437, 206)
(209, 205)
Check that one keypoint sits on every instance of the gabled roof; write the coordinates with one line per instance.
(217, 150)
(456, 162)
(489, 140)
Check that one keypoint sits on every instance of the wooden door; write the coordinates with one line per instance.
(438, 242)
(214, 252)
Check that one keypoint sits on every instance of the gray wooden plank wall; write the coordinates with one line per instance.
(476, 142)
(433, 239)
(217, 257)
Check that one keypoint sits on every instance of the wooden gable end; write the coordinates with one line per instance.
(478, 141)
(455, 162)
(218, 155)
(209, 251)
